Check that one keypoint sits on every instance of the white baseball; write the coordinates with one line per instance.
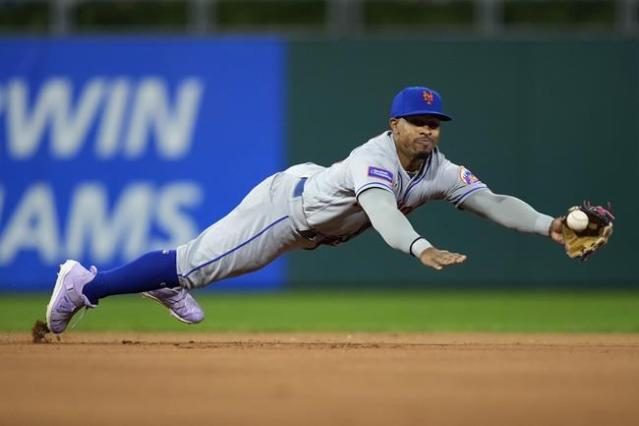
(577, 220)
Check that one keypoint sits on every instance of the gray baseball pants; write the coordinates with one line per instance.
(261, 228)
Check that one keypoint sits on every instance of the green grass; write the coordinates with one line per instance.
(426, 311)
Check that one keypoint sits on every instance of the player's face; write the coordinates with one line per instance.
(415, 136)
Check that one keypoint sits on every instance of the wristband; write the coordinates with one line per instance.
(418, 245)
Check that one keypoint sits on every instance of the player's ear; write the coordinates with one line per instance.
(392, 123)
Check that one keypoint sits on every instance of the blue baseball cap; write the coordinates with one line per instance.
(418, 100)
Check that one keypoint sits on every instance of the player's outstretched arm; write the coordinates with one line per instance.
(381, 207)
(513, 213)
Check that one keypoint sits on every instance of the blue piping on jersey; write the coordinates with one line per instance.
(421, 177)
(236, 248)
(359, 191)
(458, 200)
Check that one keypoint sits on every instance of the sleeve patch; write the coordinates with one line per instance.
(380, 173)
(467, 176)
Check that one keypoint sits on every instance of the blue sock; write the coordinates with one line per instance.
(152, 271)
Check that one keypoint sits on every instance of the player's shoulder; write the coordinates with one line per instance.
(380, 146)
(446, 166)
(440, 167)
(439, 160)
(449, 171)
(444, 161)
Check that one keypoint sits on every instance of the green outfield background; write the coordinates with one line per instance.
(373, 311)
(553, 122)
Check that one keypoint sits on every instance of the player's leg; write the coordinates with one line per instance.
(151, 271)
(255, 233)
(252, 235)
(153, 274)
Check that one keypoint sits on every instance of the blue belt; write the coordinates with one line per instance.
(311, 234)
(299, 187)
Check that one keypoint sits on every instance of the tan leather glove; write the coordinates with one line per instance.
(582, 244)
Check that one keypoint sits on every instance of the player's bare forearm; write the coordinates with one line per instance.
(439, 259)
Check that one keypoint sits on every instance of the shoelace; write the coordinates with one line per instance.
(179, 297)
(79, 317)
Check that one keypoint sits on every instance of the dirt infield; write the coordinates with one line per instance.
(320, 379)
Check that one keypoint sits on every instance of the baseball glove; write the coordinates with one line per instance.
(583, 244)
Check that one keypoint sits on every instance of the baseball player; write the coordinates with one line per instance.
(308, 205)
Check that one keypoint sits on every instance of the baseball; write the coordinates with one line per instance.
(577, 220)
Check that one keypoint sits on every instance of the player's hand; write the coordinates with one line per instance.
(555, 231)
(438, 259)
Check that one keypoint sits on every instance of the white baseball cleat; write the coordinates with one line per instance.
(67, 297)
(180, 303)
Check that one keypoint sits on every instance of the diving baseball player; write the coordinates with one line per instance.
(307, 206)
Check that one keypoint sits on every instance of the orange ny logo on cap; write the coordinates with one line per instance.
(428, 97)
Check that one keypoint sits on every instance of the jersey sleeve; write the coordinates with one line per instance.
(370, 171)
(460, 182)
(390, 223)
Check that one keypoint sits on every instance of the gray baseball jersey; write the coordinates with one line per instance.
(308, 204)
(330, 196)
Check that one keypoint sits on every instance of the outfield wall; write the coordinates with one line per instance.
(112, 147)
(552, 122)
